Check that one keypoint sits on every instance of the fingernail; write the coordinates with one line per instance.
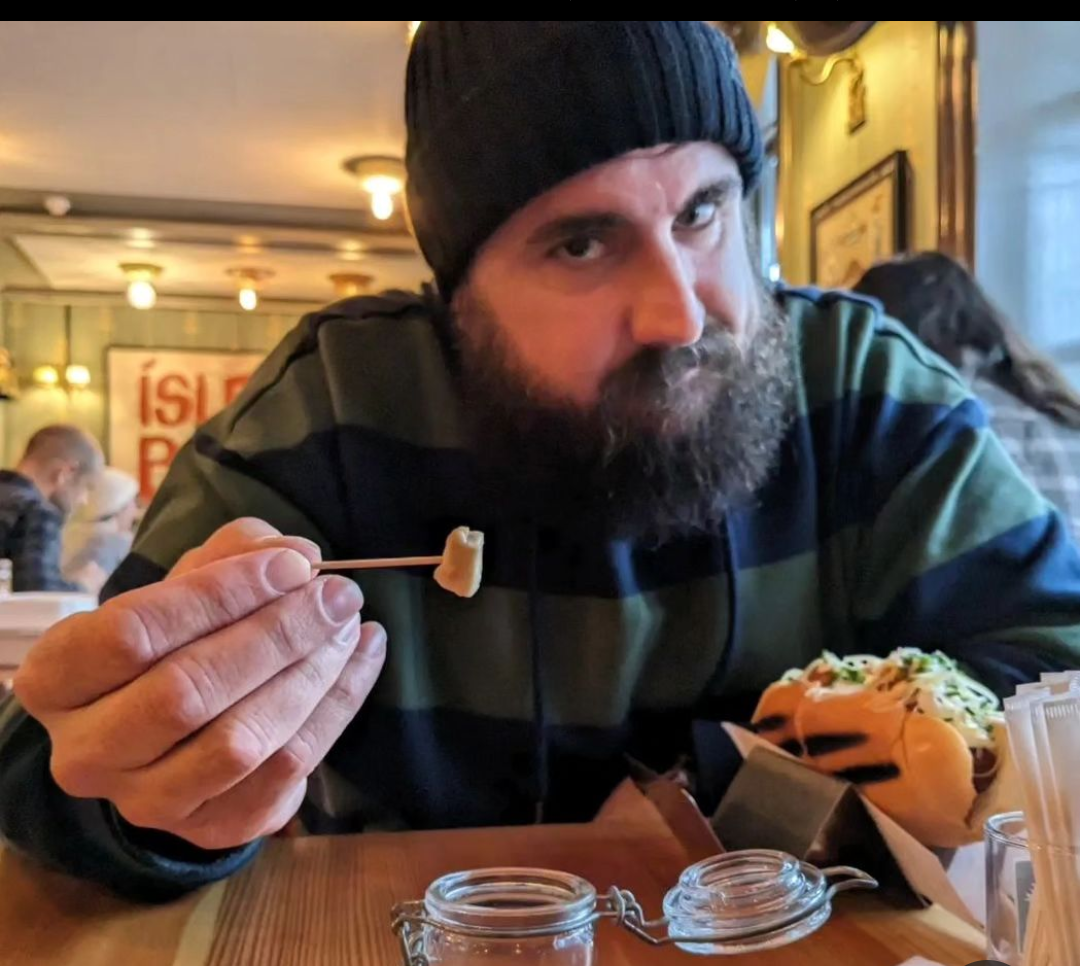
(346, 636)
(341, 599)
(287, 571)
(377, 644)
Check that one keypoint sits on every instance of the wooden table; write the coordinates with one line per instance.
(326, 902)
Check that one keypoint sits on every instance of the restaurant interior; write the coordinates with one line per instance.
(177, 196)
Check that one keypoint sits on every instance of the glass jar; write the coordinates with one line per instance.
(732, 904)
(508, 917)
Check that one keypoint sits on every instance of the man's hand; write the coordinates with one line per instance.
(199, 706)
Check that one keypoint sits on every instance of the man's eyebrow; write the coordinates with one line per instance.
(598, 222)
(588, 223)
(717, 192)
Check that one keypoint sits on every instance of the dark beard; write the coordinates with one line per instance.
(678, 438)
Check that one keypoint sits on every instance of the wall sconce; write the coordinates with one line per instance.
(47, 377)
(75, 377)
(349, 285)
(141, 293)
(382, 179)
(780, 43)
(249, 281)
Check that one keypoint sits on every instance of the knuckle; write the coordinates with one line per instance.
(317, 675)
(293, 625)
(75, 776)
(239, 749)
(217, 598)
(41, 681)
(350, 690)
(132, 634)
(296, 761)
(29, 688)
(184, 696)
(229, 589)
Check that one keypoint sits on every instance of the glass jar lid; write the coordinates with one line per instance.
(747, 901)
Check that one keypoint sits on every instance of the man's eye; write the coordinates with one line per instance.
(582, 249)
(698, 216)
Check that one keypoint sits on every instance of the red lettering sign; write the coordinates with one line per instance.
(159, 398)
(155, 456)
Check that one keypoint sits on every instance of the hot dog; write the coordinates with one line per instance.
(921, 739)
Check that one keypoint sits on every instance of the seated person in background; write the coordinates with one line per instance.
(100, 533)
(1033, 407)
(52, 480)
(688, 482)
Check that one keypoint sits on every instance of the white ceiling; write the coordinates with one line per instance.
(255, 111)
(237, 122)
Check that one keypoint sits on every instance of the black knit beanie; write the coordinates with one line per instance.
(500, 111)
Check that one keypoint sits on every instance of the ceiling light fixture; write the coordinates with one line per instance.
(249, 280)
(349, 285)
(382, 179)
(779, 42)
(141, 293)
(58, 205)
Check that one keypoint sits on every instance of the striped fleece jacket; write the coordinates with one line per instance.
(895, 519)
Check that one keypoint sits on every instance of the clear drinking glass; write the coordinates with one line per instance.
(1010, 887)
(510, 917)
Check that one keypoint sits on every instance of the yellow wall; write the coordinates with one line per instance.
(34, 333)
(900, 57)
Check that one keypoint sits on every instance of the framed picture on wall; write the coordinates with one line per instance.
(159, 397)
(862, 224)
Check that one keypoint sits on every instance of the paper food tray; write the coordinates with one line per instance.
(922, 869)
